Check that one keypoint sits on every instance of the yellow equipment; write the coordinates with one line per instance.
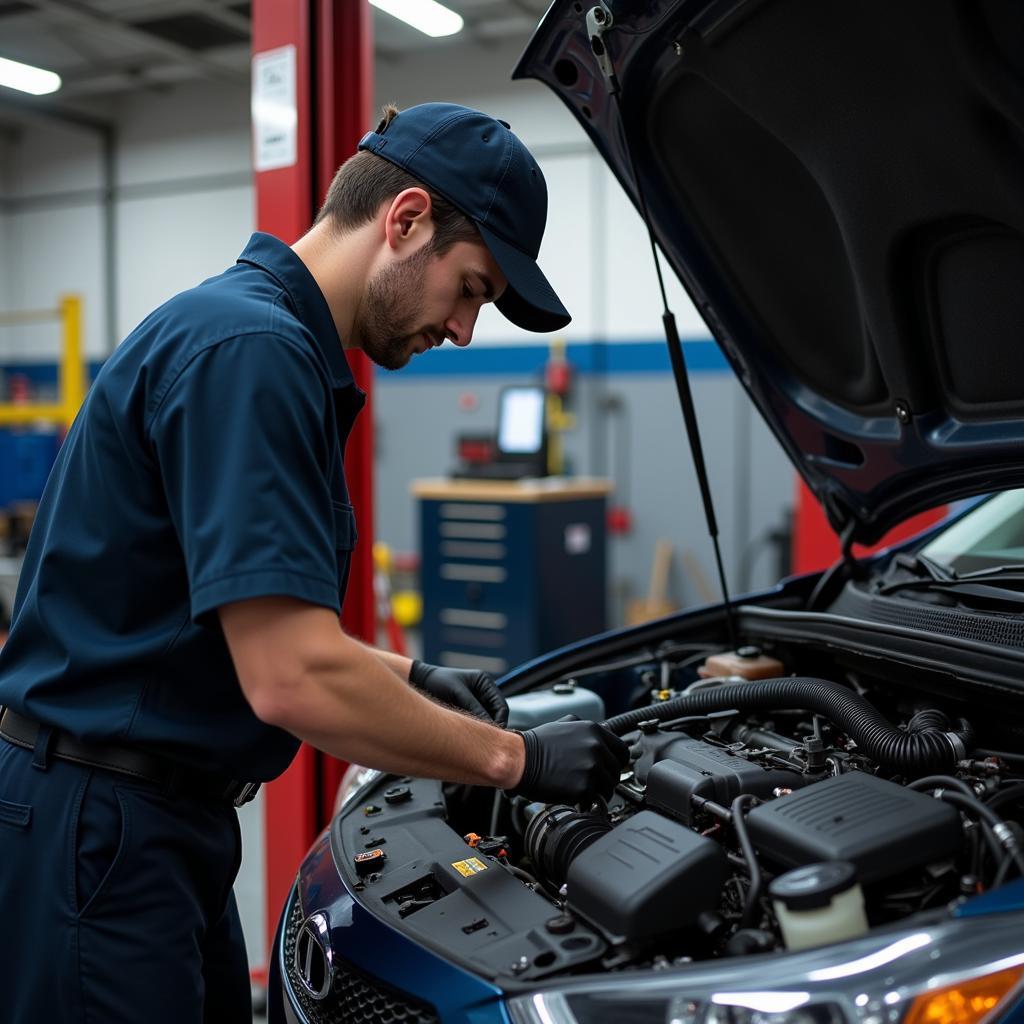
(71, 374)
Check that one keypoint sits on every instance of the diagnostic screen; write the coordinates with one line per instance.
(521, 421)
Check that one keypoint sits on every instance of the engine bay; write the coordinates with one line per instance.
(768, 805)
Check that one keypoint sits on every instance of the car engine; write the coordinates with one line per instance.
(714, 809)
(756, 814)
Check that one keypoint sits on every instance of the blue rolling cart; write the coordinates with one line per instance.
(510, 569)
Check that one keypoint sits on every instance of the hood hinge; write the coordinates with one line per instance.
(599, 21)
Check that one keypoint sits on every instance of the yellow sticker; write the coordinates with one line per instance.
(469, 867)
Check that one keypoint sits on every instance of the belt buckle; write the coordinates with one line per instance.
(246, 793)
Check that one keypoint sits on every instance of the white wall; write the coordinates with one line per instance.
(183, 210)
(186, 204)
(6, 145)
(52, 237)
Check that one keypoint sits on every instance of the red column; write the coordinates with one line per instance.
(284, 195)
(815, 545)
(344, 98)
(333, 71)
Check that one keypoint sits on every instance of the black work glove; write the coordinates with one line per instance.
(569, 762)
(466, 688)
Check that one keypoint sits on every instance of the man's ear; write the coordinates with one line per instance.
(409, 221)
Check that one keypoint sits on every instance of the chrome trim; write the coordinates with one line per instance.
(313, 940)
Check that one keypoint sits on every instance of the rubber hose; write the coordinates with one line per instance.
(928, 718)
(929, 751)
(750, 905)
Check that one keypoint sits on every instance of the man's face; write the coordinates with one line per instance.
(416, 303)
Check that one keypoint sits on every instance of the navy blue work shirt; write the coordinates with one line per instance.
(205, 467)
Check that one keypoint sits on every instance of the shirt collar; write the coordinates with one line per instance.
(277, 259)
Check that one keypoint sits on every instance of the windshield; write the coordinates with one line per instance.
(991, 535)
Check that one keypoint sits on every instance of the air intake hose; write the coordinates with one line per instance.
(927, 748)
(557, 836)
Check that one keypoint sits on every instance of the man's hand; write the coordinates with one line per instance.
(465, 688)
(570, 762)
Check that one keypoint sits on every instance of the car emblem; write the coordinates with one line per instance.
(314, 958)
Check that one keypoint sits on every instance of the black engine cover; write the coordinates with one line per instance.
(687, 767)
(883, 828)
(646, 877)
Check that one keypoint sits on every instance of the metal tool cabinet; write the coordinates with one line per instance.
(510, 569)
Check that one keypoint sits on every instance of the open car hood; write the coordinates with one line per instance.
(840, 188)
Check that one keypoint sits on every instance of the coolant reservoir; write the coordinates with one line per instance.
(747, 662)
(819, 904)
(527, 710)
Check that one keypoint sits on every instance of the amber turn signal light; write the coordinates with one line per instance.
(966, 1002)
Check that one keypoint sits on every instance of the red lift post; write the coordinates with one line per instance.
(815, 544)
(328, 43)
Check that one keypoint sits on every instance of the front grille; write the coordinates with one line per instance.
(355, 997)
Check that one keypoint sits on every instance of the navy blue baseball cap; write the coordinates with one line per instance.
(478, 164)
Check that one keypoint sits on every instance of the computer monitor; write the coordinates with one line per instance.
(522, 433)
(521, 420)
(520, 448)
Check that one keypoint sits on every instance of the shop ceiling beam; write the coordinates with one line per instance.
(70, 11)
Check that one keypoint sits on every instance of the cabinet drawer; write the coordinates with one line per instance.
(469, 659)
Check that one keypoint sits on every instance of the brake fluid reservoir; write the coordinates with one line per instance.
(819, 904)
(747, 662)
(527, 710)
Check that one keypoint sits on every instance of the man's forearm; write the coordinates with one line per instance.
(301, 672)
(398, 663)
(361, 709)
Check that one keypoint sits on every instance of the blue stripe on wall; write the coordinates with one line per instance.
(616, 357)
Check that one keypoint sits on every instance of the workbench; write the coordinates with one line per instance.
(510, 569)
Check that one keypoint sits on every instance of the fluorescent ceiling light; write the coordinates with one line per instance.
(428, 16)
(26, 78)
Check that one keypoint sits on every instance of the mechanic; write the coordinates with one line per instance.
(176, 628)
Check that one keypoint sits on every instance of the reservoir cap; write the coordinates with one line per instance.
(813, 886)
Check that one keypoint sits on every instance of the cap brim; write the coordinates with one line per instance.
(529, 301)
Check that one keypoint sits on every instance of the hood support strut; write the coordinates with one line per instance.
(843, 569)
(599, 20)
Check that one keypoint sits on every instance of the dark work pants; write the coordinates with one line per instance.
(115, 900)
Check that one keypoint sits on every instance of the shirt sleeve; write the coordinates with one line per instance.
(241, 442)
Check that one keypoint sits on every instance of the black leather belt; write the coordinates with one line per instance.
(23, 732)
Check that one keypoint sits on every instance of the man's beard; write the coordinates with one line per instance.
(389, 320)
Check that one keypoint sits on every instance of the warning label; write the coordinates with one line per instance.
(469, 867)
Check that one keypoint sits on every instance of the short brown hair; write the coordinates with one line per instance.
(365, 181)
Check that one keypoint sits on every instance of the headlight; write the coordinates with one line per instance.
(956, 972)
(355, 777)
